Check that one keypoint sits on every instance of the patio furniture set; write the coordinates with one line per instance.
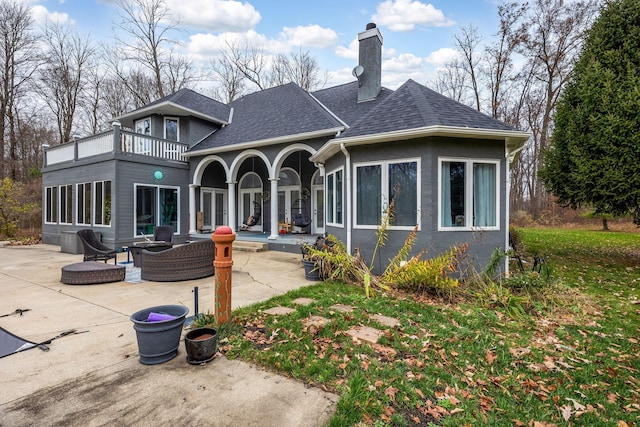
(158, 260)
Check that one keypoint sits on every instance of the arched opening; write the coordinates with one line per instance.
(250, 210)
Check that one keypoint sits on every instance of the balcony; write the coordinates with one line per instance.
(116, 140)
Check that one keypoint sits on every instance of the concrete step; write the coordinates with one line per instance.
(245, 246)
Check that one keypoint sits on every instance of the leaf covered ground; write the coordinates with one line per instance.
(464, 363)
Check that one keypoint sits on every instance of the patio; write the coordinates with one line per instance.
(93, 378)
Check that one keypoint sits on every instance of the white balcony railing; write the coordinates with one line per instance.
(113, 141)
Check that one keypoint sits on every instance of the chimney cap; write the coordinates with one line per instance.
(371, 26)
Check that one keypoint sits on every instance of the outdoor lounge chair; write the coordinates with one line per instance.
(187, 262)
(94, 250)
(163, 233)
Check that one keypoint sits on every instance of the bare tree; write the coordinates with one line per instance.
(451, 81)
(64, 78)
(231, 84)
(300, 68)
(467, 42)
(554, 37)
(251, 64)
(19, 59)
(144, 42)
(499, 54)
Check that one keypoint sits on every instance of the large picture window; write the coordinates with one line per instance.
(66, 204)
(334, 197)
(83, 203)
(468, 194)
(102, 212)
(51, 205)
(380, 183)
(156, 205)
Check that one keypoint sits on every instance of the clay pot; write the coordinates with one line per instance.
(201, 345)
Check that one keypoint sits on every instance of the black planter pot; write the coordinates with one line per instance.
(158, 341)
(311, 270)
(201, 345)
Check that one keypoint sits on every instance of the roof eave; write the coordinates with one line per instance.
(187, 111)
(265, 142)
(514, 140)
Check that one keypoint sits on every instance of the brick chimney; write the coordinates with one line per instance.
(369, 69)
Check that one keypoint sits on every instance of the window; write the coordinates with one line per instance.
(66, 204)
(156, 205)
(143, 145)
(171, 128)
(102, 213)
(143, 126)
(377, 184)
(84, 203)
(468, 194)
(51, 205)
(334, 197)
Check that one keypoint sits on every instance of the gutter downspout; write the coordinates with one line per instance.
(347, 157)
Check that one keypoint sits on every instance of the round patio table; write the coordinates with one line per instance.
(156, 246)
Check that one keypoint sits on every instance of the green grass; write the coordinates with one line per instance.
(464, 363)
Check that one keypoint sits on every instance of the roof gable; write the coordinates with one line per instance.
(184, 102)
(278, 112)
(414, 106)
(342, 100)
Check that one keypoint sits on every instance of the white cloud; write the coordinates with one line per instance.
(348, 52)
(211, 44)
(41, 15)
(312, 36)
(309, 36)
(404, 15)
(405, 62)
(215, 15)
(441, 56)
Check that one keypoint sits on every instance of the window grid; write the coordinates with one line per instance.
(478, 208)
(378, 177)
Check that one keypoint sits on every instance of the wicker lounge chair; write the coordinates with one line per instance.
(94, 250)
(186, 262)
(163, 233)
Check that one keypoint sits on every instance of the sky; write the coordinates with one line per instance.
(417, 35)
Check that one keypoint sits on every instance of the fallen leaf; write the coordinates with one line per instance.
(566, 412)
(490, 357)
(391, 392)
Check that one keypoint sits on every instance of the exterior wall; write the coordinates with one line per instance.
(131, 173)
(84, 172)
(123, 174)
(481, 243)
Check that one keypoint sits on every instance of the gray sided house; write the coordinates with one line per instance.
(284, 160)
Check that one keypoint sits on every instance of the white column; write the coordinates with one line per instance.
(231, 200)
(274, 209)
(192, 208)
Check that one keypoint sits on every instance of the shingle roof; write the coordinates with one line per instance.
(190, 100)
(413, 106)
(342, 100)
(276, 112)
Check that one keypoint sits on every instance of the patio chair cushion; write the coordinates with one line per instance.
(92, 272)
(186, 262)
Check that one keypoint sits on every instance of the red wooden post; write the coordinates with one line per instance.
(223, 239)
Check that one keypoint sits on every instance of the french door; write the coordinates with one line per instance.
(214, 208)
(317, 201)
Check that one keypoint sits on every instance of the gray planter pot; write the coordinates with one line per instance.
(201, 345)
(158, 342)
(311, 272)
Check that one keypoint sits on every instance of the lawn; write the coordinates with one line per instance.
(470, 361)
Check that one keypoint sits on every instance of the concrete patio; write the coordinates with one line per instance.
(95, 378)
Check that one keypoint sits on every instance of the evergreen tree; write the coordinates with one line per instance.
(595, 154)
